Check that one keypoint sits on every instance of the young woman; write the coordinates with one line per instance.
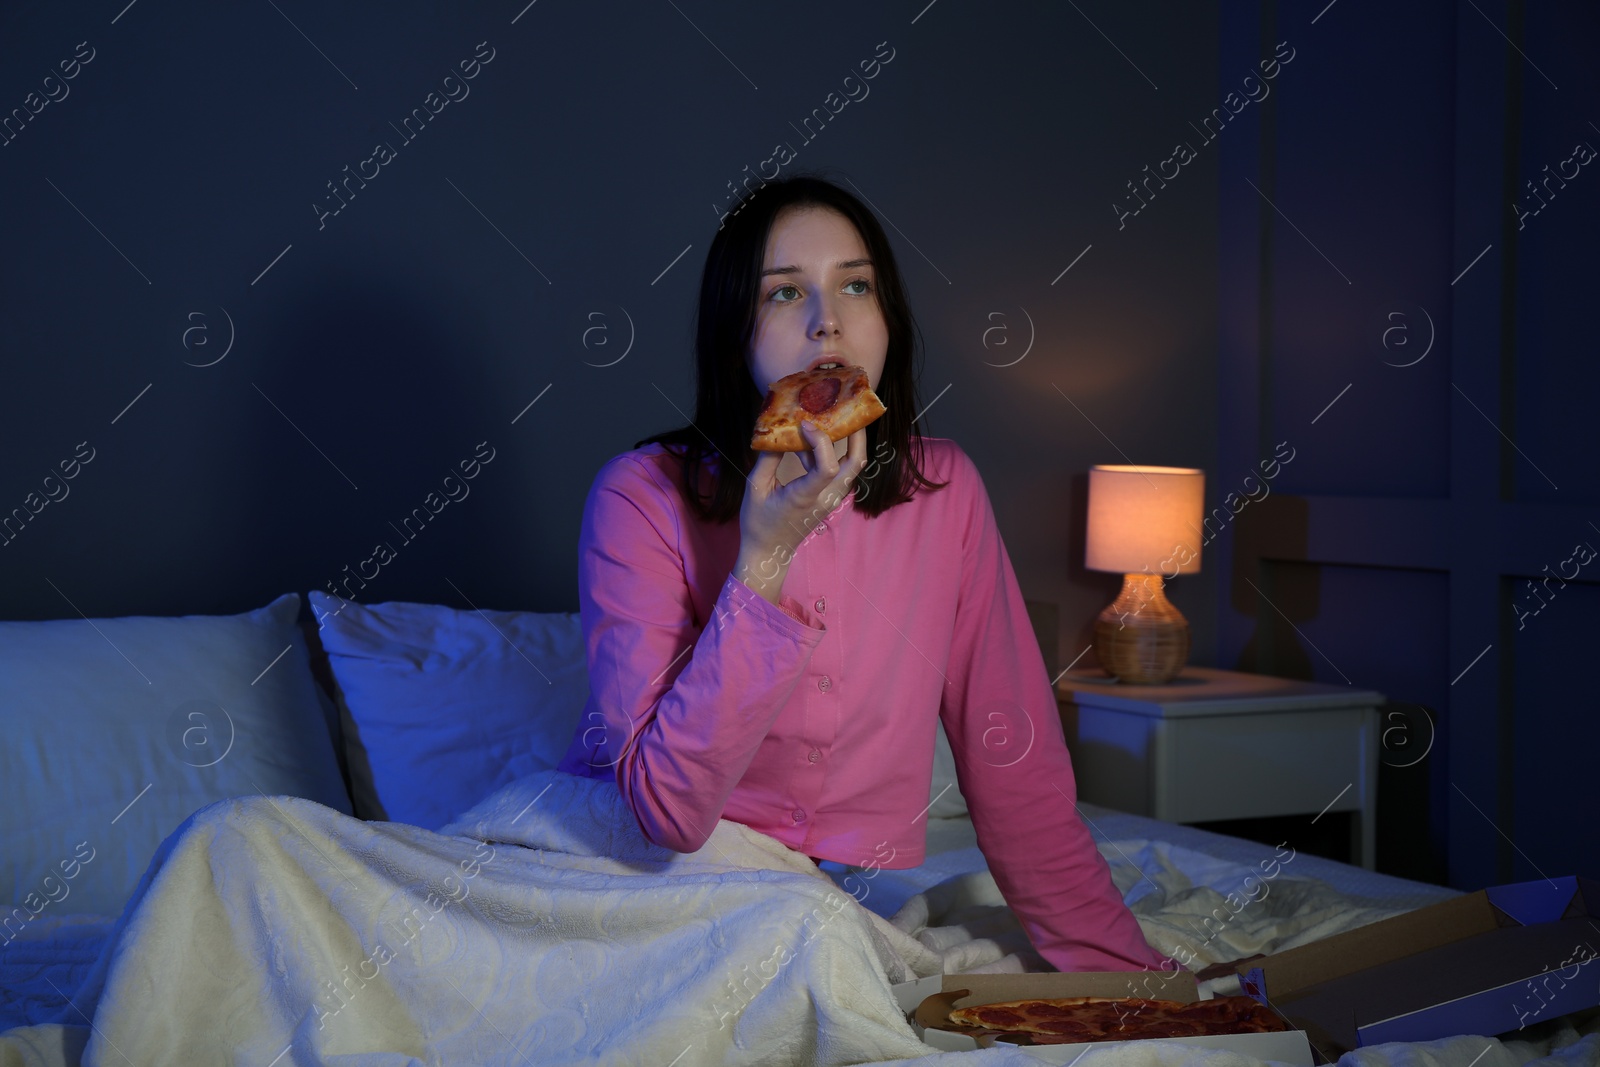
(771, 637)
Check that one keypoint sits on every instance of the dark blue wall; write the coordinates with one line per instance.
(528, 236)
(1388, 310)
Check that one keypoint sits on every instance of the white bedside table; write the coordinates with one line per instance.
(1214, 744)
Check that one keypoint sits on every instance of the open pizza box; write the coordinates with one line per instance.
(929, 1001)
(1483, 963)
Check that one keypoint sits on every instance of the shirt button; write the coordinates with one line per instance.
(814, 756)
(822, 527)
(821, 605)
(824, 683)
(799, 815)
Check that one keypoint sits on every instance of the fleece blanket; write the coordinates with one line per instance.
(540, 927)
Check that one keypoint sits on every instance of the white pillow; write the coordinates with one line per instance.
(442, 707)
(116, 730)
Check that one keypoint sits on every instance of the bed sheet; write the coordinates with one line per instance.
(953, 850)
(44, 961)
(1201, 897)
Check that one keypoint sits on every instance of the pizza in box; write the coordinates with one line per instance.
(1069, 1020)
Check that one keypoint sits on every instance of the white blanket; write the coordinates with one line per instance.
(540, 927)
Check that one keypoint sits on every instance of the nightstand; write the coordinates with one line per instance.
(1214, 744)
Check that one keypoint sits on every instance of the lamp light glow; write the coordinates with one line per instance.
(1145, 524)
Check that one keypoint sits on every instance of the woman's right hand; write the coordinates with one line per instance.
(774, 518)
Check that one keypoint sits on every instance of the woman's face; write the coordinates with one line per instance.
(817, 301)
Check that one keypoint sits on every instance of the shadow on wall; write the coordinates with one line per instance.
(1269, 547)
(1275, 647)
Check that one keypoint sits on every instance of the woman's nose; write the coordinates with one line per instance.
(825, 322)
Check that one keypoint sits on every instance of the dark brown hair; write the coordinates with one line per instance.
(726, 398)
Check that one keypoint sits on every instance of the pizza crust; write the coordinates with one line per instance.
(855, 406)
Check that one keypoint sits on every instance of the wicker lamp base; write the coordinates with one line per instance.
(1141, 638)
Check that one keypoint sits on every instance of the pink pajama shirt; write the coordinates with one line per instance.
(814, 722)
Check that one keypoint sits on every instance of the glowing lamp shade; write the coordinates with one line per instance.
(1145, 524)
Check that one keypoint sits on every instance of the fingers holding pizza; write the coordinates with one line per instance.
(797, 505)
(805, 413)
(821, 451)
(775, 518)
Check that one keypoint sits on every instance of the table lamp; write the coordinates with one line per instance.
(1144, 523)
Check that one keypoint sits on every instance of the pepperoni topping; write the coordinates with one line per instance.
(820, 395)
(1001, 1017)
(1046, 1010)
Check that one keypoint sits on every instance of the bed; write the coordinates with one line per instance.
(409, 880)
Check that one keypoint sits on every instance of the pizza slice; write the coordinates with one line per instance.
(1073, 1019)
(838, 400)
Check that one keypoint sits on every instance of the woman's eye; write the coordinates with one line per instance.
(784, 289)
(866, 286)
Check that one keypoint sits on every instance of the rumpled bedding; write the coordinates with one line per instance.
(540, 927)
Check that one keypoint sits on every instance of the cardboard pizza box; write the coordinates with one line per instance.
(1482, 963)
(929, 1001)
